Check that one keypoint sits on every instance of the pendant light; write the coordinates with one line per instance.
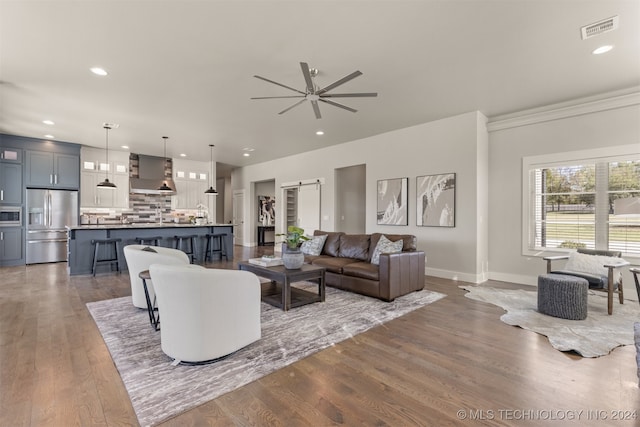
(211, 191)
(164, 188)
(106, 183)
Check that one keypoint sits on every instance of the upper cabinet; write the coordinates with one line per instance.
(95, 169)
(52, 170)
(192, 180)
(11, 176)
(10, 183)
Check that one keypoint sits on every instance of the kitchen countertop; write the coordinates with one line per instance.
(141, 225)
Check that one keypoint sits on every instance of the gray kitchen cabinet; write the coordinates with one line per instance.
(10, 183)
(11, 246)
(52, 170)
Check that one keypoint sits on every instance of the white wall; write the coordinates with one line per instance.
(507, 147)
(456, 144)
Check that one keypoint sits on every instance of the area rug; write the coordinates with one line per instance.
(159, 391)
(595, 336)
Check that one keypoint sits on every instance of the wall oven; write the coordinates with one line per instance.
(10, 216)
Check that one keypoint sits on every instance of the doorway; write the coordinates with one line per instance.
(238, 217)
(351, 200)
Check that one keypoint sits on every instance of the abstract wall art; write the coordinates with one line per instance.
(392, 202)
(436, 200)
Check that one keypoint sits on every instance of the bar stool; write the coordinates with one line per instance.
(191, 243)
(153, 241)
(111, 245)
(220, 239)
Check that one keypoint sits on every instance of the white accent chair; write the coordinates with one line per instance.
(206, 313)
(139, 260)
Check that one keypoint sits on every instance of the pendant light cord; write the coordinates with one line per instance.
(107, 156)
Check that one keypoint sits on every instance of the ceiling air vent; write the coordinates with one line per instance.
(599, 27)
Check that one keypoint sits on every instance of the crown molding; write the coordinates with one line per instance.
(594, 104)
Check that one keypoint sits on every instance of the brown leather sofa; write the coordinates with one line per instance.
(347, 258)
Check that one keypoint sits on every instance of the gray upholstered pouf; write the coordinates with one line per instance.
(563, 296)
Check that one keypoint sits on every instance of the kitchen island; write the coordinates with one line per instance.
(80, 250)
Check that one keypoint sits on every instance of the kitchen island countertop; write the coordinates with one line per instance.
(142, 225)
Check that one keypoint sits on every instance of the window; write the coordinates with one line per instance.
(586, 202)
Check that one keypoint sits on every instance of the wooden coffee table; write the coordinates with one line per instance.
(281, 294)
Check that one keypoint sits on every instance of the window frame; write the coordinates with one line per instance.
(530, 163)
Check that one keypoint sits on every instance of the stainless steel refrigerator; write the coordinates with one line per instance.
(48, 212)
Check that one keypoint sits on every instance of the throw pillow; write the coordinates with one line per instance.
(593, 264)
(385, 246)
(148, 249)
(313, 246)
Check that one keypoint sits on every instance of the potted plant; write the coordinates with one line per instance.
(292, 257)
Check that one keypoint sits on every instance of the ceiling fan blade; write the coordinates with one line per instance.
(335, 104)
(277, 97)
(349, 95)
(279, 84)
(316, 109)
(340, 82)
(307, 77)
(294, 105)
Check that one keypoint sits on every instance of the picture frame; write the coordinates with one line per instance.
(436, 200)
(266, 210)
(392, 207)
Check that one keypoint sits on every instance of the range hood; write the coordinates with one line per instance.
(151, 175)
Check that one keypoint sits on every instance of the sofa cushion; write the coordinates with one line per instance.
(313, 246)
(595, 281)
(332, 244)
(385, 246)
(332, 264)
(354, 246)
(362, 269)
(593, 264)
(409, 241)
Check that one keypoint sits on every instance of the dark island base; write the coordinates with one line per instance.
(80, 249)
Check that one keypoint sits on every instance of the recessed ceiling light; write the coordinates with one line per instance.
(602, 49)
(246, 154)
(49, 136)
(48, 122)
(319, 132)
(126, 147)
(183, 155)
(98, 71)
(248, 149)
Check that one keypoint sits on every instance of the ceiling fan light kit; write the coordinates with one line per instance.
(315, 94)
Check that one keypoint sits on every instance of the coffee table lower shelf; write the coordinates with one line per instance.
(299, 297)
(280, 293)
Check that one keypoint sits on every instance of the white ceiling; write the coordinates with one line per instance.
(185, 68)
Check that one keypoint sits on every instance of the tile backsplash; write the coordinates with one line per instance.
(143, 208)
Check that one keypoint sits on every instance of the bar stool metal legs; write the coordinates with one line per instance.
(188, 245)
(220, 240)
(112, 246)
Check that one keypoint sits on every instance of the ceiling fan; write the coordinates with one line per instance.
(314, 93)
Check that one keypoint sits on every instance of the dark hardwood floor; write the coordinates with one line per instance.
(450, 363)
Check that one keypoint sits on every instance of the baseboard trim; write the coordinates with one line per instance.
(514, 278)
(455, 275)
